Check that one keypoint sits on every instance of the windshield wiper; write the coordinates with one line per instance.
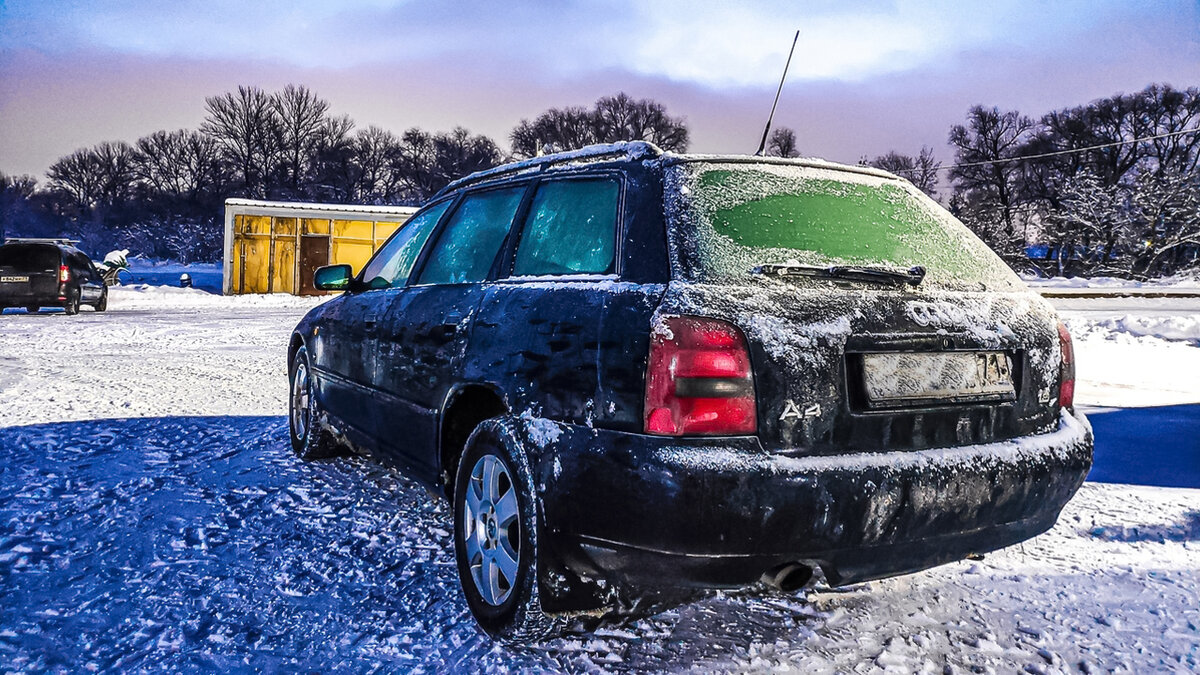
(912, 276)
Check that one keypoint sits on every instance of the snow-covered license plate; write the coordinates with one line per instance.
(898, 377)
(13, 280)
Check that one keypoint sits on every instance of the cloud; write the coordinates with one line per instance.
(705, 42)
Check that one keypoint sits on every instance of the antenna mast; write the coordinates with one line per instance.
(763, 145)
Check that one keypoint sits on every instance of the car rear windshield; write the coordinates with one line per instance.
(27, 259)
(731, 218)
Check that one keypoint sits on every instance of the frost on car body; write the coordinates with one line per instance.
(638, 370)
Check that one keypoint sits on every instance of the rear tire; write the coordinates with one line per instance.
(32, 309)
(496, 530)
(72, 304)
(309, 439)
(102, 303)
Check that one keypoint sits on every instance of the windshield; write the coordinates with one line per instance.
(29, 258)
(732, 218)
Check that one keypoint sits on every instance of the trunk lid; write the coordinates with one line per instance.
(810, 348)
(875, 320)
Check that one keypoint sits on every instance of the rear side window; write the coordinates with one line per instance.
(392, 265)
(27, 259)
(468, 245)
(571, 229)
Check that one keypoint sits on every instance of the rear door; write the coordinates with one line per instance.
(538, 334)
(86, 276)
(428, 324)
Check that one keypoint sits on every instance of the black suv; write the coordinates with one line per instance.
(36, 273)
(631, 369)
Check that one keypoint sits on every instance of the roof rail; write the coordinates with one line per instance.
(630, 150)
(40, 240)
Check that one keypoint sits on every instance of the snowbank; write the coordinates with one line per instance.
(1186, 280)
(146, 296)
(1186, 327)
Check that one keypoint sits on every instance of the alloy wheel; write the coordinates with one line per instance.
(300, 394)
(492, 529)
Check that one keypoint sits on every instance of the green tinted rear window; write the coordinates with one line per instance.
(734, 219)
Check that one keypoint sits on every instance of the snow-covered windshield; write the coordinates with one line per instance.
(729, 218)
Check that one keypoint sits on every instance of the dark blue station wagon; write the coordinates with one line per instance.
(633, 371)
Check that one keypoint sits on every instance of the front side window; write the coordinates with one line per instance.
(393, 263)
(468, 245)
(571, 229)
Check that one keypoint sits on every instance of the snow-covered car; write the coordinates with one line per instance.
(632, 370)
(36, 273)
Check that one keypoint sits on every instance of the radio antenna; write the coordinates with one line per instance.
(763, 145)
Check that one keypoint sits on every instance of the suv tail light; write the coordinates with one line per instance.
(64, 274)
(698, 379)
(1066, 388)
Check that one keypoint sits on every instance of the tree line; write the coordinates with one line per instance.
(164, 194)
(1109, 187)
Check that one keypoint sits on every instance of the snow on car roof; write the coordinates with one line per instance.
(635, 150)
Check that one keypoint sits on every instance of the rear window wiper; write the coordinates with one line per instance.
(912, 276)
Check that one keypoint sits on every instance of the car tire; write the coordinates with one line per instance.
(102, 303)
(32, 309)
(309, 439)
(71, 306)
(496, 530)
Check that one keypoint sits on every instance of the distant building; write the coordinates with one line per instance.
(273, 247)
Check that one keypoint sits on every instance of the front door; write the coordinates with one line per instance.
(429, 326)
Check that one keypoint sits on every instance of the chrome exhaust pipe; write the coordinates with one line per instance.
(789, 577)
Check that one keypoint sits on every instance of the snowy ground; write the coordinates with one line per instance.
(152, 516)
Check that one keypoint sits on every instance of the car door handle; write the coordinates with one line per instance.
(451, 322)
(371, 320)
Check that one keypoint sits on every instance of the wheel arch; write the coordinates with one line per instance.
(465, 407)
(294, 345)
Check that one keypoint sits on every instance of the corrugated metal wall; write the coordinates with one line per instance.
(268, 253)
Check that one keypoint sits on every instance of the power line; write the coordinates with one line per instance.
(1060, 152)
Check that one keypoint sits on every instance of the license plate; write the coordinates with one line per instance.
(13, 280)
(928, 377)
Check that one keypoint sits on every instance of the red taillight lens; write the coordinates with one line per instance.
(64, 274)
(698, 380)
(1066, 390)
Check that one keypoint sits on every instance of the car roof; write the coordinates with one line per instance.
(62, 246)
(633, 151)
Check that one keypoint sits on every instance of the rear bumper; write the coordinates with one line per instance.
(720, 512)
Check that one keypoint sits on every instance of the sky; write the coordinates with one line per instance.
(867, 77)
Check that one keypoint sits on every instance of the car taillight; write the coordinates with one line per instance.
(1066, 388)
(698, 379)
(64, 274)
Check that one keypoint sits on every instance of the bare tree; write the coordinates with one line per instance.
(246, 124)
(428, 162)
(988, 181)
(555, 130)
(611, 119)
(305, 131)
(921, 171)
(783, 143)
(16, 209)
(96, 185)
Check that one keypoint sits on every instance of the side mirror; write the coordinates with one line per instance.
(332, 278)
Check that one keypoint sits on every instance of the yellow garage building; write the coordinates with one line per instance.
(273, 247)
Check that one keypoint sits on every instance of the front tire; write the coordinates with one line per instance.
(309, 439)
(496, 529)
(32, 309)
(102, 303)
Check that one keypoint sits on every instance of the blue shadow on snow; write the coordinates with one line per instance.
(1148, 446)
